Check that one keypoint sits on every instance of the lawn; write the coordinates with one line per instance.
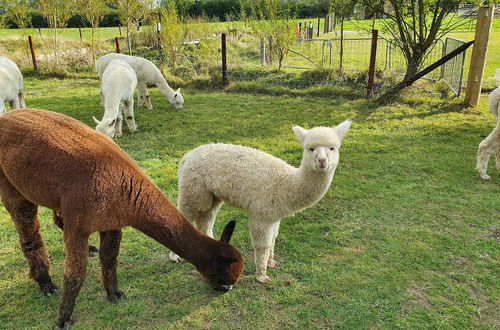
(406, 237)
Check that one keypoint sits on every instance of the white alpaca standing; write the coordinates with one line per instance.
(118, 83)
(11, 85)
(147, 74)
(491, 144)
(266, 186)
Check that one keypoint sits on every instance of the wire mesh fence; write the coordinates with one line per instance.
(453, 70)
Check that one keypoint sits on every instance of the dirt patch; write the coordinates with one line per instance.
(418, 298)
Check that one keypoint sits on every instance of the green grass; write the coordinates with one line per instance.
(406, 237)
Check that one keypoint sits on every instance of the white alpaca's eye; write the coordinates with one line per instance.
(332, 149)
(311, 149)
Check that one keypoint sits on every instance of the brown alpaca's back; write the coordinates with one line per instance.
(56, 161)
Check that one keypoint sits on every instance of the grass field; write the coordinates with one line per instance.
(406, 237)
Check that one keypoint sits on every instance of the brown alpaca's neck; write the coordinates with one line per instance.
(166, 225)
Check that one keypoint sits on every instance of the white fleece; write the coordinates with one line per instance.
(11, 85)
(266, 186)
(118, 82)
(147, 74)
(491, 144)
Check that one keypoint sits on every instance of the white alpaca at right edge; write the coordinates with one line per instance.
(491, 144)
(147, 74)
(266, 186)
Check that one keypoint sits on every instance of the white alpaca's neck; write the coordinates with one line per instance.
(308, 186)
(163, 86)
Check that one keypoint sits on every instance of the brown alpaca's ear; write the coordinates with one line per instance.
(228, 232)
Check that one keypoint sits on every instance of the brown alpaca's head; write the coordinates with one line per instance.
(226, 266)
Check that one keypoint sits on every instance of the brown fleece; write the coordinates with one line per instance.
(92, 185)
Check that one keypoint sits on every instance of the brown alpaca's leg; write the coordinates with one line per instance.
(24, 215)
(75, 269)
(58, 220)
(108, 253)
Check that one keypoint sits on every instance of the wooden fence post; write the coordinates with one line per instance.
(317, 33)
(478, 59)
(33, 55)
(117, 43)
(224, 59)
(80, 30)
(120, 29)
(371, 69)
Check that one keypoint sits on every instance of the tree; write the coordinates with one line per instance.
(57, 13)
(19, 13)
(131, 12)
(416, 26)
(342, 9)
(171, 30)
(93, 11)
(273, 21)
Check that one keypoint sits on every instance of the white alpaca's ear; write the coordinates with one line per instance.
(342, 128)
(178, 91)
(300, 133)
(97, 122)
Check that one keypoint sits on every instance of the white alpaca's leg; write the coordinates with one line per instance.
(20, 96)
(271, 263)
(143, 95)
(488, 146)
(118, 122)
(128, 108)
(262, 233)
(14, 104)
(200, 208)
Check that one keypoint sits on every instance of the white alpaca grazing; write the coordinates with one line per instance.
(266, 186)
(11, 85)
(147, 74)
(491, 144)
(118, 83)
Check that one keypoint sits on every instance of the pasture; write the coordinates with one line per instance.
(407, 235)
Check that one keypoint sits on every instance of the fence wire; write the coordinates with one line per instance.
(453, 70)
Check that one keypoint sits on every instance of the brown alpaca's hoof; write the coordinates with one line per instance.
(49, 290)
(47, 287)
(63, 325)
(115, 296)
(93, 250)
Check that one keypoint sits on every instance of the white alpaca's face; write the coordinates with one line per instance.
(107, 128)
(323, 158)
(178, 100)
(321, 145)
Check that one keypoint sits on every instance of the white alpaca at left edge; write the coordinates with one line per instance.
(491, 144)
(266, 186)
(11, 85)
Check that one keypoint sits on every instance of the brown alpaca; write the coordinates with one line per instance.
(55, 161)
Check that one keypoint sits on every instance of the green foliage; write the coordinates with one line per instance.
(171, 31)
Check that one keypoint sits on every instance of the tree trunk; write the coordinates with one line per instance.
(92, 44)
(129, 43)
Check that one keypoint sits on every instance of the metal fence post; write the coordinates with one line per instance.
(33, 56)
